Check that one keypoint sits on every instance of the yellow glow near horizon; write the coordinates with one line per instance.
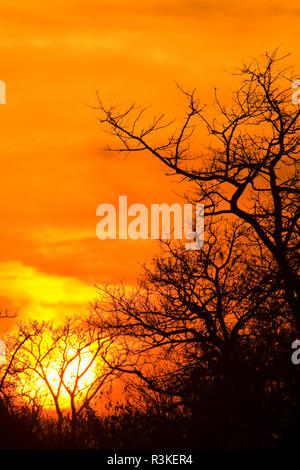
(66, 374)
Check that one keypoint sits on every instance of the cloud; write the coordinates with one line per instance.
(38, 295)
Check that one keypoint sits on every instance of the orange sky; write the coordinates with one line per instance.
(54, 172)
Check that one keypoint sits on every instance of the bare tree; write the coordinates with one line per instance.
(10, 370)
(193, 313)
(248, 171)
(62, 366)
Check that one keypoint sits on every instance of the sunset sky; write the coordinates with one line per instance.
(54, 171)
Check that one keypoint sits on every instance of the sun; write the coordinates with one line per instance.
(61, 376)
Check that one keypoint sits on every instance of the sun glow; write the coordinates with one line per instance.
(62, 375)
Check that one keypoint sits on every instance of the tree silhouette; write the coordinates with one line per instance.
(211, 330)
(203, 343)
(57, 366)
(192, 311)
(248, 171)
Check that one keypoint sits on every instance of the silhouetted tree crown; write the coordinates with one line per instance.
(248, 172)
